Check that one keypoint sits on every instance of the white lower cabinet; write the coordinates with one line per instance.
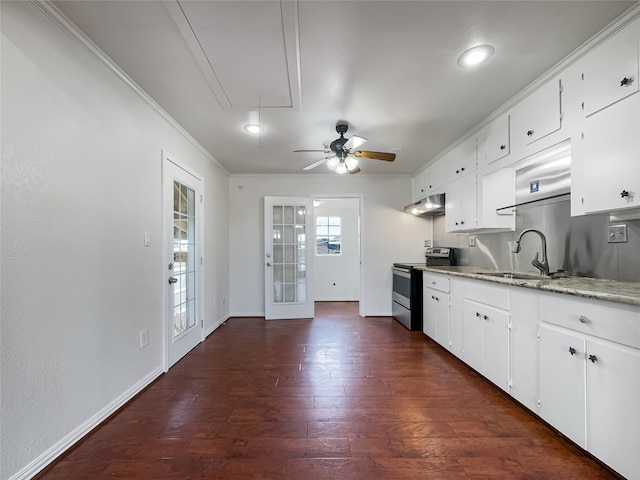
(486, 341)
(572, 360)
(456, 317)
(435, 305)
(562, 382)
(590, 391)
(524, 347)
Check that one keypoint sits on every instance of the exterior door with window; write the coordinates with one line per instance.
(182, 192)
(289, 245)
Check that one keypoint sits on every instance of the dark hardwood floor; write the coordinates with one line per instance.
(338, 397)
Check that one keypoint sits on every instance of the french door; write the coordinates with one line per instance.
(182, 202)
(289, 243)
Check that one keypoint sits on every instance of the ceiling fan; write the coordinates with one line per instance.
(344, 156)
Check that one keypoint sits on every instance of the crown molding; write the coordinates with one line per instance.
(67, 26)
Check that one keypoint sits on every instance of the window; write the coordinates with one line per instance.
(328, 236)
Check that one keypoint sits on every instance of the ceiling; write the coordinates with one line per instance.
(387, 68)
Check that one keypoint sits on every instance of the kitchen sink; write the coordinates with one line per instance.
(514, 275)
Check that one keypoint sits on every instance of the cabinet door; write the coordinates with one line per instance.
(610, 72)
(497, 191)
(613, 400)
(462, 160)
(473, 335)
(461, 205)
(609, 151)
(495, 364)
(524, 347)
(456, 318)
(418, 188)
(433, 179)
(496, 141)
(539, 114)
(430, 312)
(442, 320)
(562, 382)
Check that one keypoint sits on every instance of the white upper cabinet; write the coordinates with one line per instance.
(418, 188)
(462, 160)
(538, 115)
(461, 205)
(493, 141)
(607, 147)
(610, 72)
(433, 178)
(609, 151)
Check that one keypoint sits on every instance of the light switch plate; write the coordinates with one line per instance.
(616, 233)
(427, 243)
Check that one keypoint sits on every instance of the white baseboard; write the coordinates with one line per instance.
(215, 326)
(247, 314)
(37, 465)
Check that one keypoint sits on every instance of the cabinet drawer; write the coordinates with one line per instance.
(436, 282)
(617, 323)
(482, 292)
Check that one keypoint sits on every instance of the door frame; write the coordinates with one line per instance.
(167, 248)
(360, 198)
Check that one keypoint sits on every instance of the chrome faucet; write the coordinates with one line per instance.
(542, 265)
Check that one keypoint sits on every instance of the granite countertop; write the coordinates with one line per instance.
(597, 288)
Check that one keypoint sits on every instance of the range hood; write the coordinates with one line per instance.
(547, 177)
(431, 205)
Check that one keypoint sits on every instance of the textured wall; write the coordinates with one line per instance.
(81, 183)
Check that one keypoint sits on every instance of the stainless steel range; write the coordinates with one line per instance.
(406, 296)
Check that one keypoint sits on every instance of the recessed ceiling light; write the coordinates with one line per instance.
(475, 56)
(253, 128)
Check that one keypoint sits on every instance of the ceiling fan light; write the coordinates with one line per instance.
(253, 128)
(475, 56)
(351, 163)
(333, 162)
(341, 168)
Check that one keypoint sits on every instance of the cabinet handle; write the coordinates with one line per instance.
(457, 171)
(593, 358)
(572, 350)
(434, 297)
(624, 194)
(462, 169)
(502, 147)
(583, 319)
(430, 186)
(477, 314)
(529, 133)
(485, 317)
(461, 222)
(625, 81)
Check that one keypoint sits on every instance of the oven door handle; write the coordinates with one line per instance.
(401, 272)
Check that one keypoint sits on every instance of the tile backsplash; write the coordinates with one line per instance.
(577, 245)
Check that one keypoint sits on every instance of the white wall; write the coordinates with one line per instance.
(81, 183)
(389, 234)
(337, 277)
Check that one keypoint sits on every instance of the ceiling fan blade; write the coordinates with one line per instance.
(354, 142)
(315, 164)
(387, 157)
(354, 171)
(321, 151)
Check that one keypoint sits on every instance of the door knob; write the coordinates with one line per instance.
(172, 280)
(268, 264)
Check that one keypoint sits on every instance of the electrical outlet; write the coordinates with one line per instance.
(427, 243)
(616, 233)
(144, 338)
